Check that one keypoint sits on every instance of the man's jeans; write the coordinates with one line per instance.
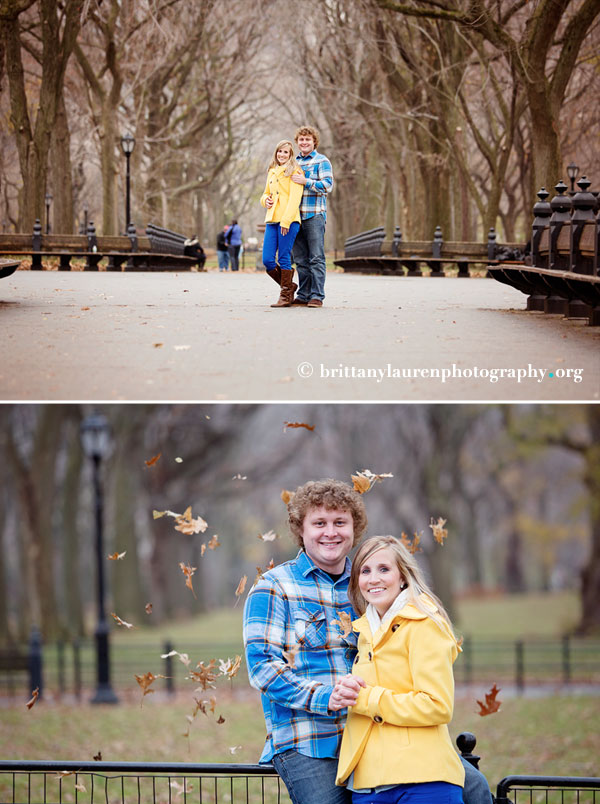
(310, 780)
(476, 790)
(309, 255)
(223, 258)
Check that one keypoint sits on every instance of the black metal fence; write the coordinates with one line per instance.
(548, 790)
(70, 668)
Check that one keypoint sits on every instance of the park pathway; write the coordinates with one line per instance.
(188, 336)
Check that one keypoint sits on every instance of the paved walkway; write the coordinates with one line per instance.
(180, 336)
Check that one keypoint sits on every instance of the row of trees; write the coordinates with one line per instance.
(442, 112)
(518, 485)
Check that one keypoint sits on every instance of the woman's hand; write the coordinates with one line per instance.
(284, 230)
(269, 201)
(345, 692)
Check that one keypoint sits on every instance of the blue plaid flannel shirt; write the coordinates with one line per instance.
(317, 169)
(291, 607)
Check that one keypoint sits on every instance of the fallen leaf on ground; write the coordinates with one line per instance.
(290, 425)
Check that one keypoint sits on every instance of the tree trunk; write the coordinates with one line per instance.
(62, 177)
(590, 576)
(71, 543)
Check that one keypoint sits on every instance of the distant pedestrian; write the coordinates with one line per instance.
(309, 246)
(233, 238)
(282, 200)
(222, 250)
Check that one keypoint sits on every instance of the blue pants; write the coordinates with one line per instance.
(309, 256)
(223, 258)
(423, 793)
(310, 780)
(274, 242)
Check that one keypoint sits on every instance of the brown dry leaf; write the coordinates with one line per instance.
(439, 532)
(205, 675)
(259, 571)
(234, 748)
(202, 550)
(34, 696)
(290, 655)
(214, 542)
(230, 667)
(290, 425)
(365, 480)
(117, 556)
(146, 682)
(98, 757)
(188, 525)
(80, 787)
(181, 788)
(183, 657)
(286, 495)
(63, 774)
(119, 621)
(241, 586)
(188, 572)
(153, 460)
(361, 484)
(491, 704)
(345, 623)
(148, 608)
(269, 536)
(239, 477)
(220, 719)
(157, 345)
(412, 546)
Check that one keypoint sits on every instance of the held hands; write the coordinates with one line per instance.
(345, 692)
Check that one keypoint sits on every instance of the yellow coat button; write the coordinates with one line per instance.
(378, 719)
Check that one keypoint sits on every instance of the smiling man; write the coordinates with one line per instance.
(309, 247)
(294, 650)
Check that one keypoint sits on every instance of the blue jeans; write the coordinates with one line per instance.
(476, 790)
(275, 242)
(423, 793)
(310, 780)
(234, 254)
(223, 258)
(309, 256)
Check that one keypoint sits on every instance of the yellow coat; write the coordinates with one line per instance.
(396, 733)
(287, 196)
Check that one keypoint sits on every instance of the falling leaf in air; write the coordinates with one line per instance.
(178, 460)
(183, 657)
(290, 655)
(365, 480)
(188, 525)
(439, 531)
(361, 484)
(241, 586)
(290, 425)
(153, 460)
(286, 495)
(146, 682)
(98, 757)
(259, 571)
(34, 696)
(230, 667)
(239, 477)
(412, 546)
(234, 748)
(269, 536)
(148, 608)
(63, 774)
(491, 704)
(345, 623)
(188, 572)
(202, 550)
(214, 542)
(117, 556)
(80, 787)
(220, 719)
(119, 621)
(181, 788)
(205, 675)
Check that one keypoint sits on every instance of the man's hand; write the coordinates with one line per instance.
(299, 178)
(269, 201)
(345, 692)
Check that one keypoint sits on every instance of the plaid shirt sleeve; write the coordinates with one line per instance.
(320, 180)
(266, 637)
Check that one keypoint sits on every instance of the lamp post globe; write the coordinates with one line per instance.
(572, 173)
(95, 441)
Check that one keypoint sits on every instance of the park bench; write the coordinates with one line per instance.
(372, 252)
(563, 273)
(164, 241)
(131, 252)
(22, 664)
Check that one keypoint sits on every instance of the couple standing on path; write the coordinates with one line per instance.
(295, 197)
(354, 719)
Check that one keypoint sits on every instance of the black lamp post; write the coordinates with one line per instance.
(127, 144)
(95, 440)
(48, 202)
(572, 172)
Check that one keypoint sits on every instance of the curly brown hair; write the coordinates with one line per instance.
(329, 494)
(309, 131)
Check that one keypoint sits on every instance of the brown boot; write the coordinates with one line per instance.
(287, 290)
(276, 277)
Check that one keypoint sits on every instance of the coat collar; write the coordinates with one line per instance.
(408, 612)
(307, 566)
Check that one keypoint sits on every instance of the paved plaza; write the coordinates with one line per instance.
(210, 336)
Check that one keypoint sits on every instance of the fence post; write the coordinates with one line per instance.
(36, 244)
(519, 667)
(35, 661)
(169, 680)
(566, 659)
(77, 668)
(60, 660)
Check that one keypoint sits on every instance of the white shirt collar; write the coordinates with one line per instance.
(376, 622)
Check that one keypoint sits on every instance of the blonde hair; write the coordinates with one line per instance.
(410, 572)
(291, 166)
